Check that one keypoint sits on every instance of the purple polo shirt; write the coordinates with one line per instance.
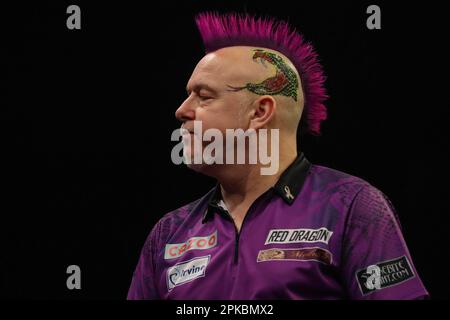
(317, 234)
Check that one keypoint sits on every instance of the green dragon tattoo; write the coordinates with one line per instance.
(284, 81)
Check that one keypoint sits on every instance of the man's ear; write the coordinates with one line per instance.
(263, 111)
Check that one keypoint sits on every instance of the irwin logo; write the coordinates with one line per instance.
(299, 236)
(188, 271)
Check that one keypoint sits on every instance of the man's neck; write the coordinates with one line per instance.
(243, 184)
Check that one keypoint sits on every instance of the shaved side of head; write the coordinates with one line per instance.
(257, 72)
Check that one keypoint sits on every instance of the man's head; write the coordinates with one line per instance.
(243, 87)
(228, 30)
(248, 81)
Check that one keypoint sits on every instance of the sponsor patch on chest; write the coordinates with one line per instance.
(298, 236)
(187, 271)
(175, 250)
(295, 254)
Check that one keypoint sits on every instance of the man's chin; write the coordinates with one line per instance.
(203, 168)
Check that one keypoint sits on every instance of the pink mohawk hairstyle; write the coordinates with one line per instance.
(220, 31)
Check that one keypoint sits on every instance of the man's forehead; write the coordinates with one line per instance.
(211, 71)
(215, 63)
(227, 65)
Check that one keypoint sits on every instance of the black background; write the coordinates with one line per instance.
(87, 116)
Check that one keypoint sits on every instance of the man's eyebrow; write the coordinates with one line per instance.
(199, 86)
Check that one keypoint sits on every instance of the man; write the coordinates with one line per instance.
(301, 232)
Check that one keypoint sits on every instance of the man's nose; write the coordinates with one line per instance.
(186, 111)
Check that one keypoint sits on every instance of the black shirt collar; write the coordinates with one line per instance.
(287, 187)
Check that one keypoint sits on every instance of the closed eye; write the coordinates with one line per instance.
(204, 97)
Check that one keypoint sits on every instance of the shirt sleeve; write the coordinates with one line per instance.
(143, 283)
(376, 263)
